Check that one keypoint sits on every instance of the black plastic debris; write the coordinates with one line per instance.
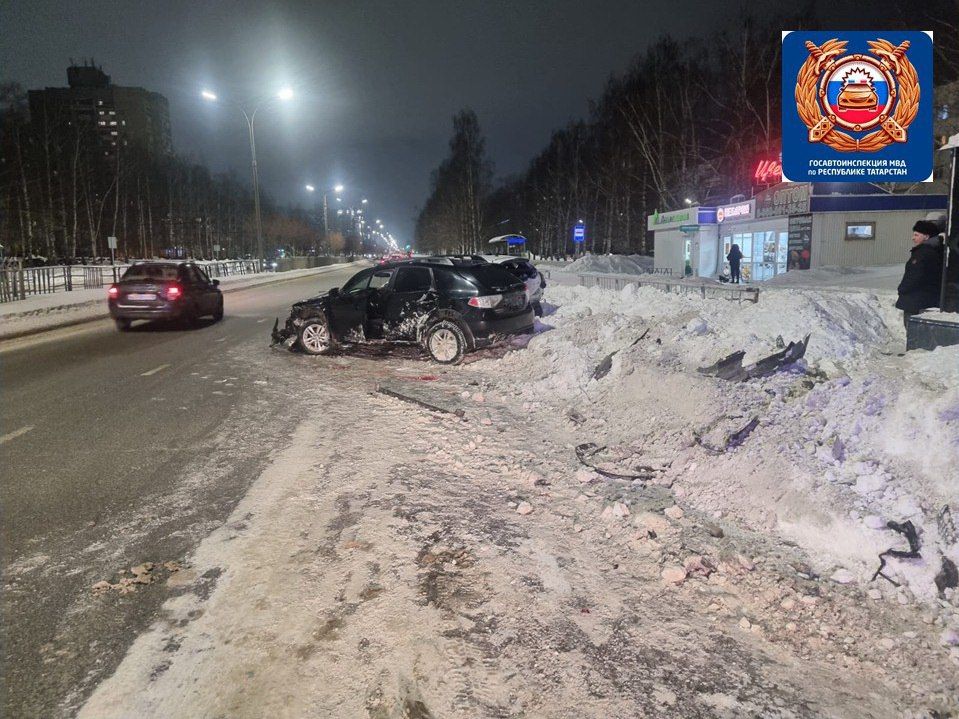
(909, 532)
(588, 450)
(947, 527)
(948, 577)
(606, 364)
(731, 368)
(407, 397)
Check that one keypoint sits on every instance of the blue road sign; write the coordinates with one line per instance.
(579, 233)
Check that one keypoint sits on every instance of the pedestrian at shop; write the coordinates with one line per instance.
(734, 257)
(919, 289)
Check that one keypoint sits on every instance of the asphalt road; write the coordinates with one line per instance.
(120, 448)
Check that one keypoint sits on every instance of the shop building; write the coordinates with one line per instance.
(793, 226)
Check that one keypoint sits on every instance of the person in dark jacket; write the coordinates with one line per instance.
(919, 288)
(735, 256)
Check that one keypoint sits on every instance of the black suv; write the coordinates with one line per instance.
(449, 309)
(164, 291)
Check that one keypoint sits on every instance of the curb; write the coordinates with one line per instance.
(106, 315)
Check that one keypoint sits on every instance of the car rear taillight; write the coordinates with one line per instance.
(113, 291)
(173, 292)
(485, 302)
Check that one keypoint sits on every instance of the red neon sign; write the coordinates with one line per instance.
(768, 171)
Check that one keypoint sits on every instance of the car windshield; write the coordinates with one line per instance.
(492, 277)
(158, 273)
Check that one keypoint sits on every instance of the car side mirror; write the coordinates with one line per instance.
(216, 283)
(334, 291)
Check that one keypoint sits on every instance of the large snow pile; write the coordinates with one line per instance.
(852, 436)
(612, 264)
(885, 277)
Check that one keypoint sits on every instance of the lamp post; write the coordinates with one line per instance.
(326, 221)
(250, 117)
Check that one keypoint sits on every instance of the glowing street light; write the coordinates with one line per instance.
(310, 188)
(284, 94)
(337, 188)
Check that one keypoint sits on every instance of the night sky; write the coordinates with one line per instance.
(376, 82)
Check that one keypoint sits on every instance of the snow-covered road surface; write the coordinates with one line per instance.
(391, 561)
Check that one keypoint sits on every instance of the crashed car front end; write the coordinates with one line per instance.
(299, 313)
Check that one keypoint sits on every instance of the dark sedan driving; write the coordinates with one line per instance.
(179, 291)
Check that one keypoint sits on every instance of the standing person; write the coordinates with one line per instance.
(919, 288)
(735, 256)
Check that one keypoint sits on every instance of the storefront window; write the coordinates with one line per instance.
(764, 253)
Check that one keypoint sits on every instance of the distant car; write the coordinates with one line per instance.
(164, 291)
(394, 257)
(448, 309)
(524, 269)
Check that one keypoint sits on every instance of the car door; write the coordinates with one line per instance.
(348, 307)
(206, 289)
(408, 299)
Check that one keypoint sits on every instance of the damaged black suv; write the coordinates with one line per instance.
(448, 308)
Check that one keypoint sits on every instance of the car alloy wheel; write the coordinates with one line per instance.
(445, 343)
(314, 337)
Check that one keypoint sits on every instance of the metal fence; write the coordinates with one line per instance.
(699, 287)
(20, 283)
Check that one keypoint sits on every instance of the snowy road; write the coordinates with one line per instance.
(117, 447)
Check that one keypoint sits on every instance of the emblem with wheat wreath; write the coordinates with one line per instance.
(822, 128)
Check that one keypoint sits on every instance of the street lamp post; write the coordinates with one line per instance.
(326, 221)
(250, 117)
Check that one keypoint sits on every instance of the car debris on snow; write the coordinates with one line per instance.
(458, 412)
(588, 450)
(731, 368)
(606, 364)
(725, 433)
(908, 530)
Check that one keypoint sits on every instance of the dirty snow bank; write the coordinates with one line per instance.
(851, 437)
(613, 264)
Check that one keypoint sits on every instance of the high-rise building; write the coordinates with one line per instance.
(115, 116)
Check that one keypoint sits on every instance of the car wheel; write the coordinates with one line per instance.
(218, 314)
(123, 325)
(445, 342)
(314, 337)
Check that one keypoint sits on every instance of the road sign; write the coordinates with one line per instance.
(579, 233)
(112, 243)
(216, 248)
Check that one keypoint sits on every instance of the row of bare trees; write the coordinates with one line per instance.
(62, 197)
(687, 122)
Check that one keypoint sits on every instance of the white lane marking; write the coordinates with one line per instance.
(222, 339)
(16, 433)
(265, 319)
(154, 370)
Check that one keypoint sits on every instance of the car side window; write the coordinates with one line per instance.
(451, 282)
(204, 278)
(380, 279)
(413, 279)
(358, 282)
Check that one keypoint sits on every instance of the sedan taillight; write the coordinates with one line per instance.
(113, 291)
(173, 292)
(485, 302)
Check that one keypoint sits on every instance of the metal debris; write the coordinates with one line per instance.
(948, 577)
(947, 527)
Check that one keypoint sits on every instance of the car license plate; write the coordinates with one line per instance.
(142, 296)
